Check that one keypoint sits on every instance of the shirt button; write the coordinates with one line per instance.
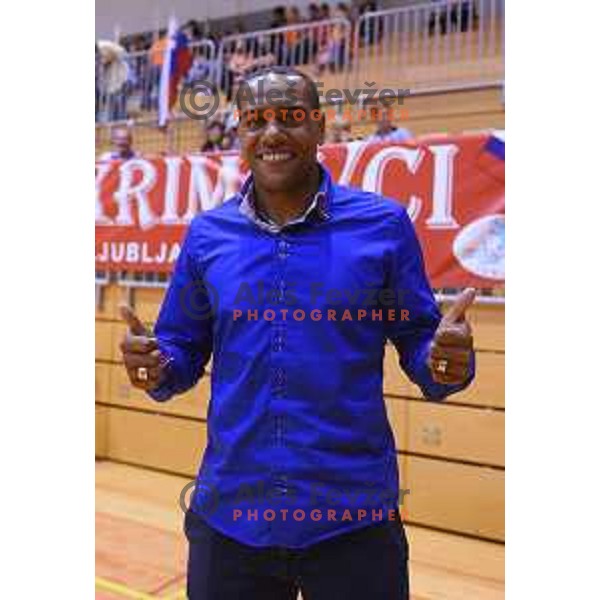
(283, 249)
(281, 484)
(281, 292)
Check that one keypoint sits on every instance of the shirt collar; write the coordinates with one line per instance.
(319, 206)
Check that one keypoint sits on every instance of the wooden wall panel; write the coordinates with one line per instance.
(471, 434)
(119, 331)
(153, 440)
(486, 390)
(102, 382)
(456, 497)
(193, 403)
(101, 431)
(107, 310)
(488, 326)
(488, 387)
(104, 340)
(146, 303)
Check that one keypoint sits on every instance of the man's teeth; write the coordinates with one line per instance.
(276, 156)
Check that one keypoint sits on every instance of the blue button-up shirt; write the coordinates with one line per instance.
(299, 444)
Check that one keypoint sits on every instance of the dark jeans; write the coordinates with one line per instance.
(368, 564)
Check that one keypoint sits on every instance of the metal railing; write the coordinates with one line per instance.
(441, 44)
(128, 88)
(132, 280)
(321, 46)
(102, 280)
(450, 44)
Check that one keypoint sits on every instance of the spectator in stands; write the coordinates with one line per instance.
(277, 39)
(193, 30)
(138, 62)
(214, 133)
(113, 79)
(228, 117)
(98, 77)
(457, 17)
(278, 19)
(230, 141)
(226, 142)
(368, 28)
(204, 68)
(240, 63)
(314, 13)
(332, 49)
(152, 78)
(387, 131)
(235, 138)
(122, 141)
(263, 57)
(293, 38)
(464, 15)
(339, 34)
(340, 132)
(342, 11)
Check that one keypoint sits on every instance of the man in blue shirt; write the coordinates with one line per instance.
(387, 131)
(293, 286)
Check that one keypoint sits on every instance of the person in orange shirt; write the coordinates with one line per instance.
(152, 78)
(157, 51)
(292, 38)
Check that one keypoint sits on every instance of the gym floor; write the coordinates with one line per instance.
(141, 550)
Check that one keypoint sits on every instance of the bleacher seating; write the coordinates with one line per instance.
(444, 74)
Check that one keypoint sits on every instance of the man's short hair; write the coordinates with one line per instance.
(313, 93)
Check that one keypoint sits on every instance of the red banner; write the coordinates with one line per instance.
(452, 187)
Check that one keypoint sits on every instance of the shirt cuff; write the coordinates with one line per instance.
(165, 388)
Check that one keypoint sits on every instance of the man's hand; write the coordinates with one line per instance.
(140, 351)
(453, 343)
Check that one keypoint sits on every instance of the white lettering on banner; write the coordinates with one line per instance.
(169, 216)
(201, 193)
(443, 180)
(133, 252)
(373, 175)
(353, 154)
(103, 256)
(145, 258)
(103, 169)
(137, 252)
(162, 256)
(127, 192)
(117, 253)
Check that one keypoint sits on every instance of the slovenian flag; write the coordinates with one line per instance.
(176, 63)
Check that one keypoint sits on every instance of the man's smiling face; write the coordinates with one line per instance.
(278, 134)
